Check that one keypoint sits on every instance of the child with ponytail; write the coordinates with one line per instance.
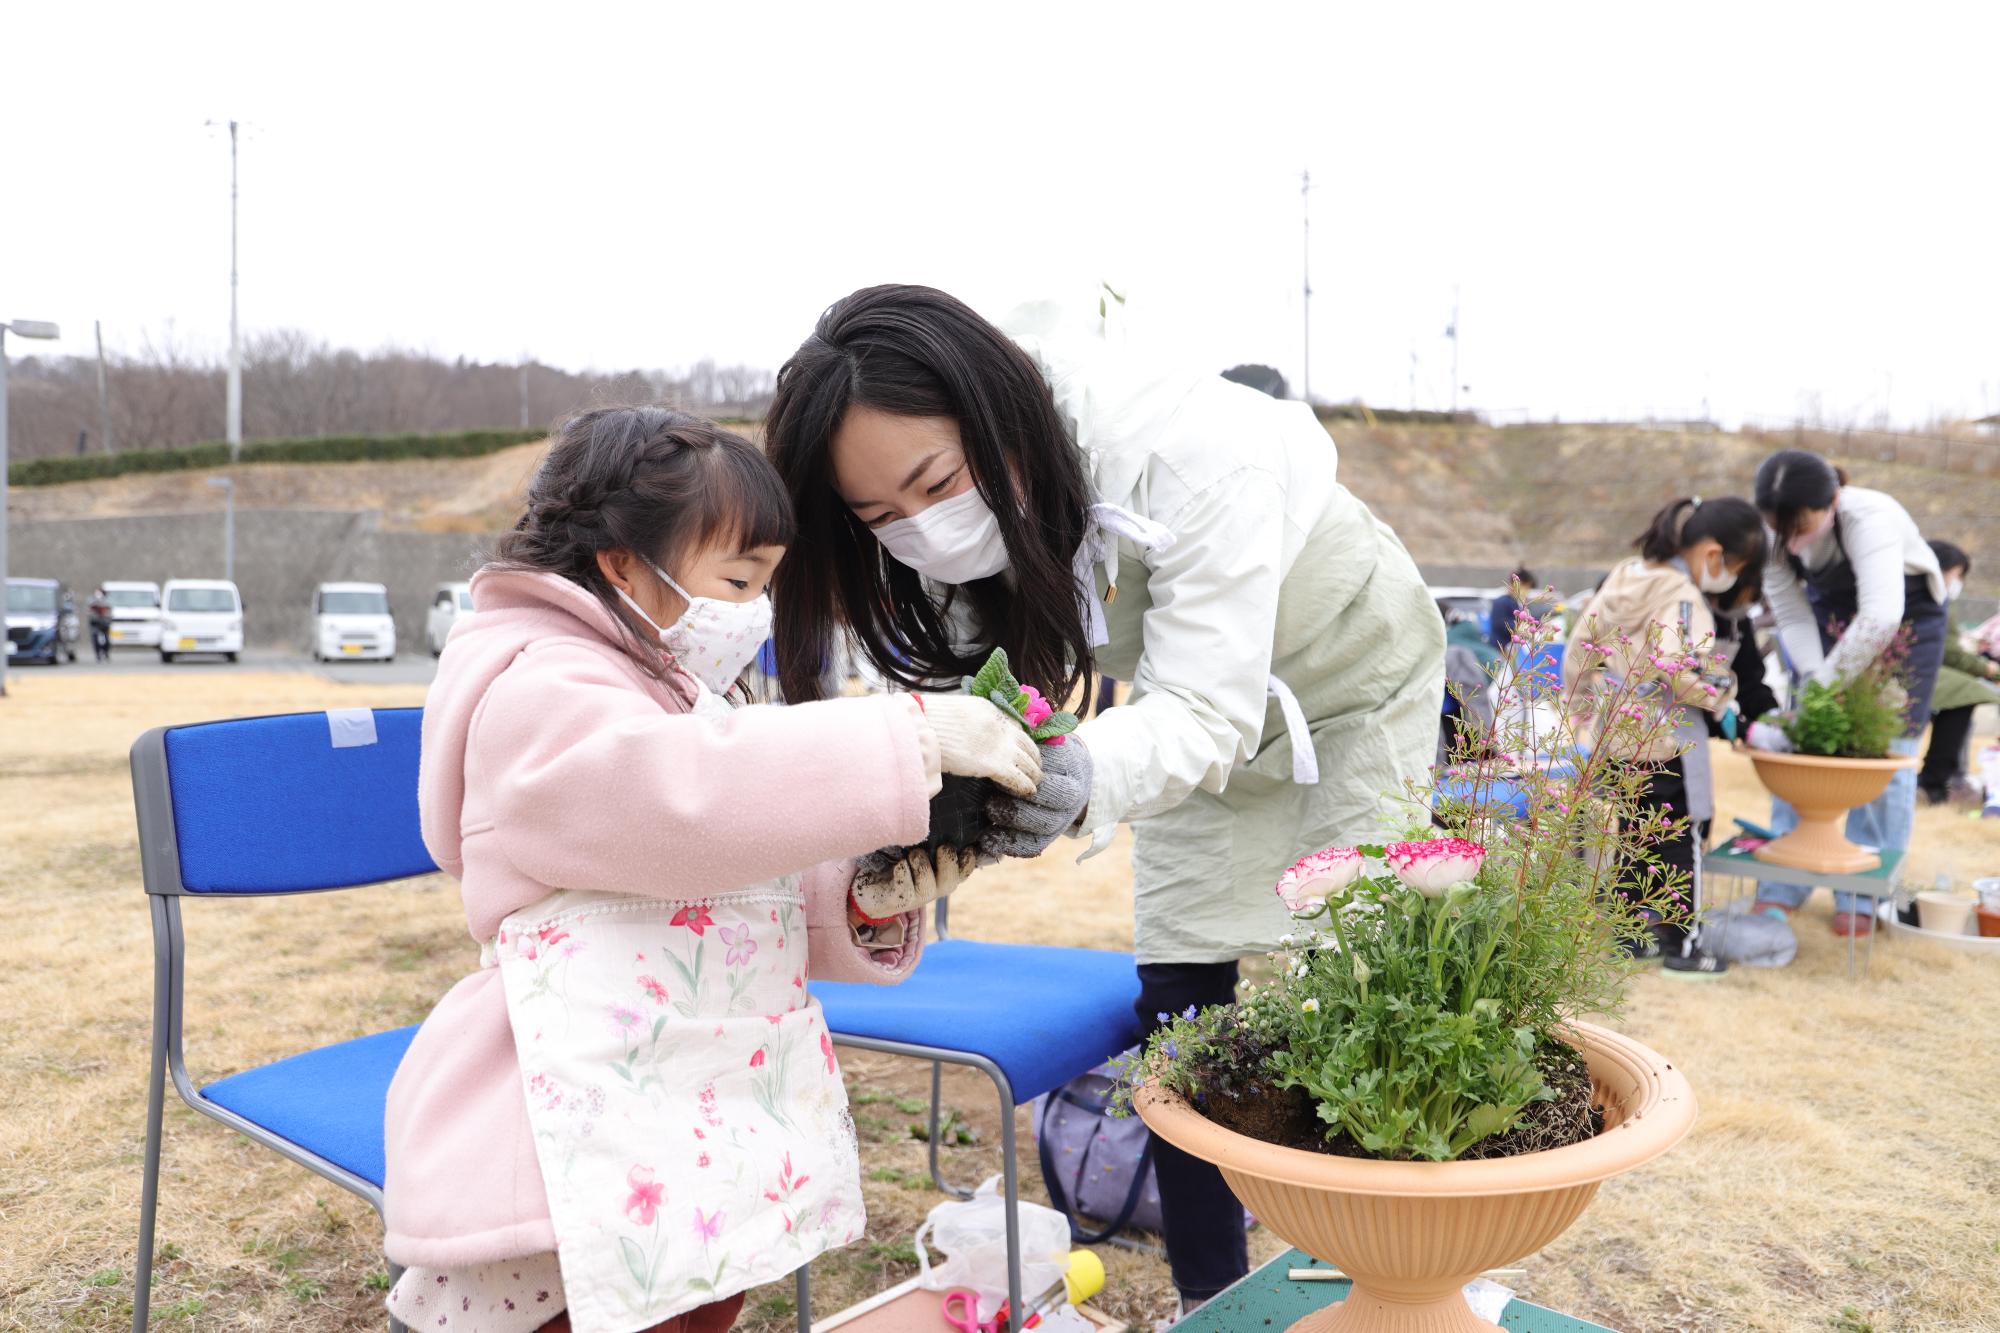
(1692, 549)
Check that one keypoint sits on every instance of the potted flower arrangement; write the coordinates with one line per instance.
(1839, 734)
(1416, 1094)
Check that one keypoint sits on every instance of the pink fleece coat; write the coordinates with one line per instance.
(552, 760)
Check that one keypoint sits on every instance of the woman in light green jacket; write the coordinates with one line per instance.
(1033, 486)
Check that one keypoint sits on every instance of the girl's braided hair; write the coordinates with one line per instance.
(660, 483)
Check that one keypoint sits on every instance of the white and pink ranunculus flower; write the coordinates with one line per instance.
(1318, 877)
(1432, 867)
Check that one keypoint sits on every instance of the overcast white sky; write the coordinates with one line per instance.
(1645, 207)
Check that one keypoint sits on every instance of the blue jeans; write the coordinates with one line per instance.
(1883, 823)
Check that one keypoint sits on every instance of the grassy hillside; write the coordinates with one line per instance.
(1578, 495)
(1461, 495)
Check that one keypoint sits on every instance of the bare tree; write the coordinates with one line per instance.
(168, 394)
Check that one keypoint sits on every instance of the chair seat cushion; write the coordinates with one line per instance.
(328, 1101)
(1043, 1014)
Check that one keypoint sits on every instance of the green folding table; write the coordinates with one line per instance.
(1269, 1300)
(1729, 859)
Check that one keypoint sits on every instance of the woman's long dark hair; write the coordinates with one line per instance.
(1791, 482)
(644, 479)
(1730, 523)
(917, 352)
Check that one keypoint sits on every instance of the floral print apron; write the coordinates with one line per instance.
(688, 1113)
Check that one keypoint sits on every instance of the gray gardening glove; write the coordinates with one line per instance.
(1026, 826)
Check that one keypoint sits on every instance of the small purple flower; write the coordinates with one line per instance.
(741, 946)
(1173, 1051)
(1164, 1017)
(1188, 1012)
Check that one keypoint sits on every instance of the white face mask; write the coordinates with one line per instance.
(1719, 582)
(1952, 588)
(954, 541)
(713, 639)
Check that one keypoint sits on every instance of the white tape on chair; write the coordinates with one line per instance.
(351, 727)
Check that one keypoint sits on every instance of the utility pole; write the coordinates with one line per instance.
(235, 405)
(1452, 333)
(103, 397)
(227, 485)
(524, 394)
(1305, 278)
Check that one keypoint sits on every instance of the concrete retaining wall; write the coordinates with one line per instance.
(281, 555)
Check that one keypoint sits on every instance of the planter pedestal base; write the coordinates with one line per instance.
(1820, 847)
(1363, 1309)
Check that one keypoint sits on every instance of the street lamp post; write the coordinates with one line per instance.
(228, 485)
(20, 328)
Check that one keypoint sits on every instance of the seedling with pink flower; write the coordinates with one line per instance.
(958, 816)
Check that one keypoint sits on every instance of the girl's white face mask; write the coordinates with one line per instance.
(954, 541)
(1719, 582)
(713, 640)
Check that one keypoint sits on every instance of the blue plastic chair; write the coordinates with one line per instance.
(273, 805)
(1029, 1017)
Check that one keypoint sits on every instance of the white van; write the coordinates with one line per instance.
(200, 616)
(450, 603)
(351, 622)
(135, 614)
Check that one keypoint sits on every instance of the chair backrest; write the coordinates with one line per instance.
(286, 804)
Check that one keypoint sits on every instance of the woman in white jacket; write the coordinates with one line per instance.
(959, 487)
(1849, 572)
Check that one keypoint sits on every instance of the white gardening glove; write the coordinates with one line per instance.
(1764, 736)
(977, 740)
(896, 880)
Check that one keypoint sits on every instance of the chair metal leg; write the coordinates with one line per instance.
(156, 1107)
(937, 1092)
(1010, 1173)
(805, 1296)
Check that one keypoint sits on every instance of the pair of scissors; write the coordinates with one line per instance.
(961, 1311)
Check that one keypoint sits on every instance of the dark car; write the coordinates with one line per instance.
(42, 624)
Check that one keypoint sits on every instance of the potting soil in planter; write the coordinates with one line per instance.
(1288, 1117)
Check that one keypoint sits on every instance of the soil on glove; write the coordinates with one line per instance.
(958, 812)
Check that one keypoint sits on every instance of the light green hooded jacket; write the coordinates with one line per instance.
(1275, 582)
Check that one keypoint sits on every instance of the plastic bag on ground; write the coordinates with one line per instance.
(972, 1235)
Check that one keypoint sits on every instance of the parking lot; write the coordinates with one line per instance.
(406, 669)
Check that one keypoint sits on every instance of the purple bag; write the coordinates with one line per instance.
(1096, 1165)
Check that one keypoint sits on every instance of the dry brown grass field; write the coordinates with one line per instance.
(1843, 1176)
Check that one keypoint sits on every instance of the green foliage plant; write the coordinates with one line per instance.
(1421, 1000)
(1857, 716)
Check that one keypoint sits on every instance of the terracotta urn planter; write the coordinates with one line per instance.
(1823, 789)
(1411, 1234)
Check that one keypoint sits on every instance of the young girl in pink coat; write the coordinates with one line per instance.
(632, 1113)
